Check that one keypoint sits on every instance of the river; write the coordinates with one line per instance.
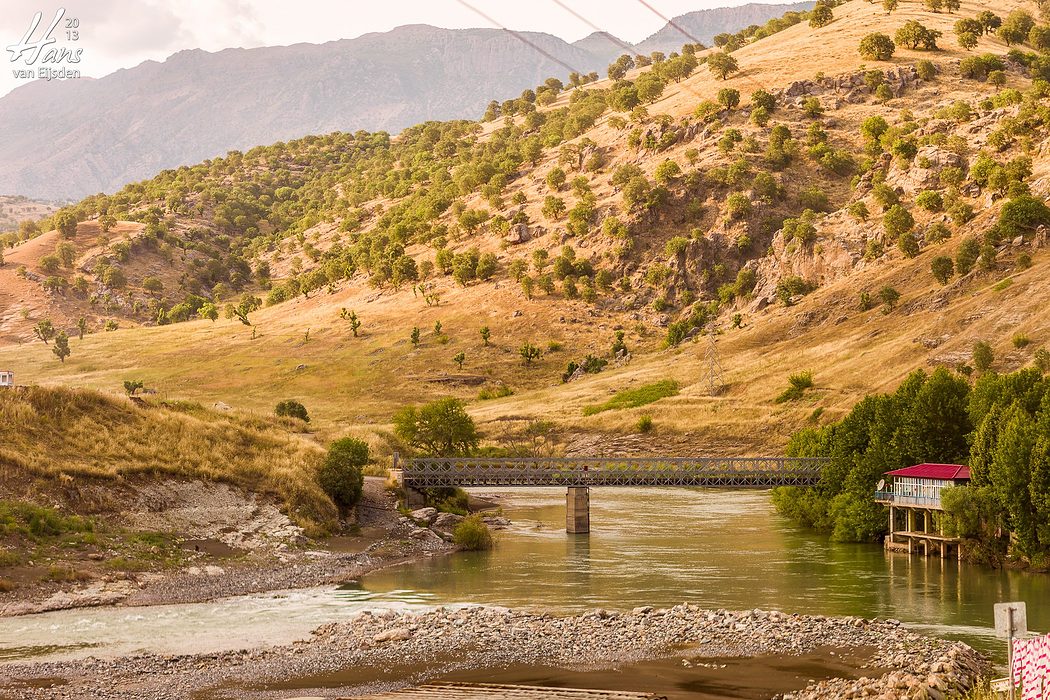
(715, 549)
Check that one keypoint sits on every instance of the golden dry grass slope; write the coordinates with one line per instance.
(56, 433)
(303, 349)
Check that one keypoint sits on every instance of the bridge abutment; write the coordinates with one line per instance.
(578, 510)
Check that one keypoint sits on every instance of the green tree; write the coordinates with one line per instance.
(889, 298)
(1015, 28)
(459, 358)
(897, 221)
(414, 337)
(729, 98)
(45, 330)
(529, 352)
(722, 64)
(131, 386)
(890, 5)
(942, 268)
(966, 256)
(820, 16)
(209, 311)
(82, 325)
(556, 179)
(61, 348)
(916, 35)
(877, 47)
(66, 223)
(341, 473)
(441, 428)
(983, 356)
(485, 335)
(291, 408)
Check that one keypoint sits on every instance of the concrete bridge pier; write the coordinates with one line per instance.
(578, 510)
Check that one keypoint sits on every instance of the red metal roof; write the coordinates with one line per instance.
(948, 472)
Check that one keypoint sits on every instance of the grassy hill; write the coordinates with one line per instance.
(754, 236)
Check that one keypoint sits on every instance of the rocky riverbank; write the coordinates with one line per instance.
(387, 539)
(377, 651)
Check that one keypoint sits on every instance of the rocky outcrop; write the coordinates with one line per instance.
(924, 171)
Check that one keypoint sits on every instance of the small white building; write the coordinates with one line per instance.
(7, 378)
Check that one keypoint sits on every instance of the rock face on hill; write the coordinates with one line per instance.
(127, 126)
(703, 25)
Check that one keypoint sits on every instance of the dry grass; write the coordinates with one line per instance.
(355, 384)
(61, 433)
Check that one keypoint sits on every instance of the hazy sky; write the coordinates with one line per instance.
(117, 34)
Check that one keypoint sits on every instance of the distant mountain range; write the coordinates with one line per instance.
(102, 134)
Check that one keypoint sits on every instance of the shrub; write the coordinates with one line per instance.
(983, 356)
(797, 385)
(341, 475)
(1042, 360)
(908, 244)
(898, 221)
(645, 424)
(292, 409)
(966, 256)
(1020, 341)
(930, 200)
(926, 69)
(889, 298)
(472, 534)
(942, 268)
(877, 47)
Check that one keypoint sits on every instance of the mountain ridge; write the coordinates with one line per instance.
(109, 135)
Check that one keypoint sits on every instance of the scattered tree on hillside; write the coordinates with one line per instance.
(989, 21)
(441, 428)
(821, 15)
(915, 35)
(45, 330)
(983, 356)
(877, 47)
(66, 223)
(729, 98)
(340, 474)
(414, 337)
(1015, 28)
(459, 358)
(61, 348)
(890, 5)
(942, 268)
(485, 335)
(208, 311)
(529, 353)
(889, 298)
(245, 306)
(966, 256)
(722, 64)
(82, 325)
(291, 408)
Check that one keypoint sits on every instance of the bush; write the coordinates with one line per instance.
(983, 356)
(472, 534)
(898, 221)
(942, 268)
(966, 256)
(292, 409)
(797, 385)
(1021, 340)
(930, 200)
(877, 47)
(645, 424)
(341, 474)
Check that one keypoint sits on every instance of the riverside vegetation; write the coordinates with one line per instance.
(999, 426)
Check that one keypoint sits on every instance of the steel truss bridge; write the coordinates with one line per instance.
(714, 472)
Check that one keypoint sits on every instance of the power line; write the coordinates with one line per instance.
(671, 22)
(519, 37)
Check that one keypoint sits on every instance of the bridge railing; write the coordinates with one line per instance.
(425, 472)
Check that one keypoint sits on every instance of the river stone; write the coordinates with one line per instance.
(397, 634)
(447, 521)
(425, 515)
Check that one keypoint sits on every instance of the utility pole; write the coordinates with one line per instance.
(715, 373)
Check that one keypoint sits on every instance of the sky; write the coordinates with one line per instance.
(114, 34)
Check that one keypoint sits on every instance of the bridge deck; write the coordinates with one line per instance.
(735, 472)
(491, 691)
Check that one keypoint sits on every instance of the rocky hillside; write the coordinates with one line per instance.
(690, 238)
(135, 122)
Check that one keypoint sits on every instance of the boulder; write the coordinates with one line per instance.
(519, 233)
(397, 634)
(424, 515)
(447, 521)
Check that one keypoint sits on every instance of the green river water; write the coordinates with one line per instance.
(660, 547)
